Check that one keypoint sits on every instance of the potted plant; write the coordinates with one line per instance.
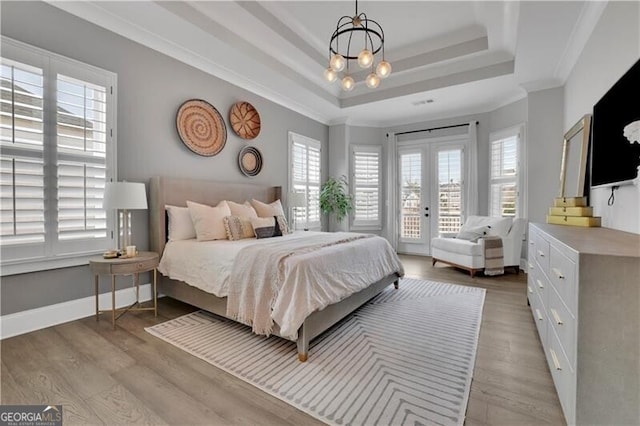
(334, 198)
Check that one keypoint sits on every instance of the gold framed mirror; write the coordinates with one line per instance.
(573, 167)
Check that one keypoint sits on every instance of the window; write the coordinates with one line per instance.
(304, 177)
(56, 123)
(504, 191)
(366, 186)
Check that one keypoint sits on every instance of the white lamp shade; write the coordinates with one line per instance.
(125, 196)
(297, 199)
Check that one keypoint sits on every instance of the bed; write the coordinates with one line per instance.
(176, 191)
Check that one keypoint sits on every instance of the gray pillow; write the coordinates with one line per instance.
(472, 234)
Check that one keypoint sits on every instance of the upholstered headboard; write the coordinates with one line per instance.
(176, 191)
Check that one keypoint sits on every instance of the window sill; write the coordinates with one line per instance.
(44, 264)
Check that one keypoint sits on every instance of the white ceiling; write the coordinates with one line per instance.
(466, 56)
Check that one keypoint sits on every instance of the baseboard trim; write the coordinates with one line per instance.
(47, 316)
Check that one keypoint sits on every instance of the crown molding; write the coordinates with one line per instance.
(585, 24)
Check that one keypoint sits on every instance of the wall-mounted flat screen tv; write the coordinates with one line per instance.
(615, 140)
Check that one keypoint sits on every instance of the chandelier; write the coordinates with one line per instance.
(363, 32)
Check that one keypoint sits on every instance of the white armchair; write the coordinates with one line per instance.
(469, 255)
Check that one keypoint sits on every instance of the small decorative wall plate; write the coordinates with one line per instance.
(201, 127)
(245, 120)
(250, 161)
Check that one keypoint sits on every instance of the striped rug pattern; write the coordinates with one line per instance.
(405, 357)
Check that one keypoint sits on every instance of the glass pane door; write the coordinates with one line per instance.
(413, 196)
(449, 172)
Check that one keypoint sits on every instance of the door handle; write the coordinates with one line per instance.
(426, 215)
(426, 208)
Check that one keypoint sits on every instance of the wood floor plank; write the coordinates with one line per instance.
(41, 382)
(117, 405)
(79, 371)
(155, 383)
(85, 340)
(168, 402)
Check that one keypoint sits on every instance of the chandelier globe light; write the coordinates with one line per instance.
(348, 83)
(365, 34)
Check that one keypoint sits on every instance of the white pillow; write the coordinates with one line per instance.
(180, 224)
(472, 234)
(209, 221)
(245, 209)
(268, 210)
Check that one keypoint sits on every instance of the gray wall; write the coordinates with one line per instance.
(612, 48)
(151, 87)
(543, 150)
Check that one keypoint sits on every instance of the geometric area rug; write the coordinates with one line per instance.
(405, 357)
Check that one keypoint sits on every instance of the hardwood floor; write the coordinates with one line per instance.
(127, 376)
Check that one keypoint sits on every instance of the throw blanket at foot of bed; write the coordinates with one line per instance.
(286, 280)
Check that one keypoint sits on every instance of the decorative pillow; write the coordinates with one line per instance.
(238, 227)
(180, 224)
(268, 210)
(283, 225)
(245, 209)
(208, 221)
(271, 210)
(266, 227)
(472, 234)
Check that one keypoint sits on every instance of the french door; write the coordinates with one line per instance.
(430, 192)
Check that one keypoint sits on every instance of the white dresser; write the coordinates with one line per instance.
(584, 291)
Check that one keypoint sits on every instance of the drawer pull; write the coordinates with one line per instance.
(540, 253)
(540, 284)
(558, 273)
(556, 316)
(530, 265)
(540, 318)
(554, 357)
(530, 289)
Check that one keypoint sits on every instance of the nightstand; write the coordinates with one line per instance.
(143, 262)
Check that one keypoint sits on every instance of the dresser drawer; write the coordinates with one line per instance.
(133, 267)
(564, 325)
(564, 378)
(540, 317)
(541, 252)
(562, 272)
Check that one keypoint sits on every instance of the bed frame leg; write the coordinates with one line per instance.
(303, 344)
(396, 284)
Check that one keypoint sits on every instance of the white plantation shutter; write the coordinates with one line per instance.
(81, 165)
(503, 193)
(366, 186)
(57, 121)
(305, 173)
(22, 158)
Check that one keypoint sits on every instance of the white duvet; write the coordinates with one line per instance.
(314, 280)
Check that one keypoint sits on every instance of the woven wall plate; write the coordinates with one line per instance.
(201, 127)
(245, 120)
(250, 161)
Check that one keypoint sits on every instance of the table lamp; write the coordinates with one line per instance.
(125, 196)
(297, 199)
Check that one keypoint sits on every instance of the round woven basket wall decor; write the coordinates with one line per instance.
(245, 120)
(201, 127)
(250, 161)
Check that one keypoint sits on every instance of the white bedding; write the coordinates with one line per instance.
(313, 280)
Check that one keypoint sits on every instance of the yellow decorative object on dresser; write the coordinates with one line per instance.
(572, 211)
